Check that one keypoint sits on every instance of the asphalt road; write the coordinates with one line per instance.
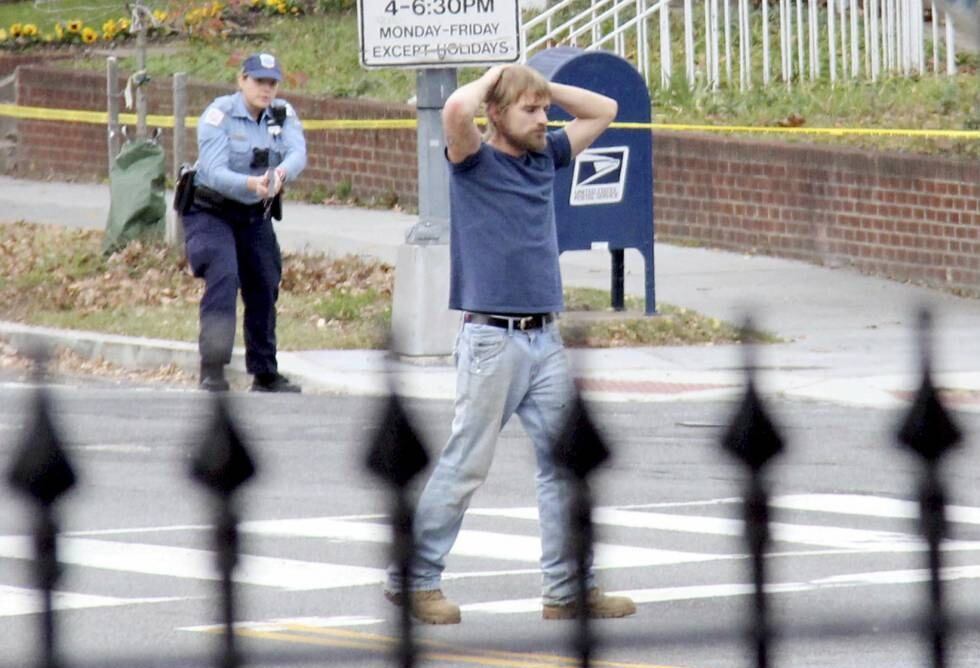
(138, 587)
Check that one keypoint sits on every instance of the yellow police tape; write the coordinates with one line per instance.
(160, 121)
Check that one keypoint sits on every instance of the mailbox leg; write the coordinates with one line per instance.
(651, 295)
(618, 271)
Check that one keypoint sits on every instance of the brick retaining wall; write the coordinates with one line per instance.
(908, 217)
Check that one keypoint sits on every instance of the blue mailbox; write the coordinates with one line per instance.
(606, 197)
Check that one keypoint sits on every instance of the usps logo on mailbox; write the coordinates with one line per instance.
(599, 176)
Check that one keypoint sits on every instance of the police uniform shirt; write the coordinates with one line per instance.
(226, 137)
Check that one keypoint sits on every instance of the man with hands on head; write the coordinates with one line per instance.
(249, 146)
(509, 355)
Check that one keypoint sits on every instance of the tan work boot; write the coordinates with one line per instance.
(600, 606)
(429, 607)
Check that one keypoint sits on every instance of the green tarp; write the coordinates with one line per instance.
(136, 188)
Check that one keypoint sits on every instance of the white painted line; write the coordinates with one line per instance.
(188, 527)
(804, 534)
(16, 601)
(485, 544)
(870, 506)
(274, 625)
(668, 594)
(117, 448)
(188, 563)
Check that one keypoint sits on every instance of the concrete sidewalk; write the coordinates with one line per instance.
(850, 338)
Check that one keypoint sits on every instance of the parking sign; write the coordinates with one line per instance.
(438, 33)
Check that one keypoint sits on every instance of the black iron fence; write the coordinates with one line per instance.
(43, 472)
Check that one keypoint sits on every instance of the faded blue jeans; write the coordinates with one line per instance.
(499, 373)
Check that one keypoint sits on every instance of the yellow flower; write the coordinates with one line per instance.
(75, 26)
(109, 26)
(122, 24)
(59, 32)
(281, 8)
(216, 9)
(3, 35)
(30, 30)
(108, 35)
(89, 36)
(16, 30)
(160, 15)
(294, 10)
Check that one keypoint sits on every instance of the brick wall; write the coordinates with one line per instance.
(11, 61)
(908, 217)
(379, 164)
(903, 216)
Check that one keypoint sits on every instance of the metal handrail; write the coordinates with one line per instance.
(570, 22)
(663, 4)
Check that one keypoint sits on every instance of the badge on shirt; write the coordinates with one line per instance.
(214, 116)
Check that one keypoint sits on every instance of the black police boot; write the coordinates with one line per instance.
(273, 382)
(213, 378)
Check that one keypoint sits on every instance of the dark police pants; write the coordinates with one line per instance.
(232, 253)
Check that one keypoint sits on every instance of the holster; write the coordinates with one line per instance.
(276, 209)
(184, 193)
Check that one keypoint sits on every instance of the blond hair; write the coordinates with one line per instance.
(515, 81)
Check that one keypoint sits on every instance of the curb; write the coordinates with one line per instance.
(126, 351)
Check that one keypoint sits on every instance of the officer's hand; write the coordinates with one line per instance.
(259, 185)
(278, 181)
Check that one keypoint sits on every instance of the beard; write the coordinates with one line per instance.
(533, 140)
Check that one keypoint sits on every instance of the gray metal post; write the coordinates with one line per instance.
(175, 231)
(422, 324)
(112, 107)
(433, 87)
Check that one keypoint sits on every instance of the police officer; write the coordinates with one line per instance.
(249, 146)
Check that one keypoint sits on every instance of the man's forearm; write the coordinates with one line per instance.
(582, 103)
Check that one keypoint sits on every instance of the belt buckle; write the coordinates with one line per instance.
(525, 323)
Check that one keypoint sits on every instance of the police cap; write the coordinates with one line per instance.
(262, 66)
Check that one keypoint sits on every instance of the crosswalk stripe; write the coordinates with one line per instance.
(16, 601)
(870, 506)
(83, 549)
(486, 544)
(804, 534)
(690, 593)
(182, 562)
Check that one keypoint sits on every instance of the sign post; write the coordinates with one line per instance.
(435, 37)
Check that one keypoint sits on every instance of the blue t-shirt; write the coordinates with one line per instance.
(503, 242)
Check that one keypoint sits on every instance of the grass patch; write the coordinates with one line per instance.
(58, 277)
(590, 322)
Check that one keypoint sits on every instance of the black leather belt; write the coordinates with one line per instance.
(520, 322)
(213, 201)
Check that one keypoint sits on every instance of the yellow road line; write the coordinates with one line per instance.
(440, 651)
